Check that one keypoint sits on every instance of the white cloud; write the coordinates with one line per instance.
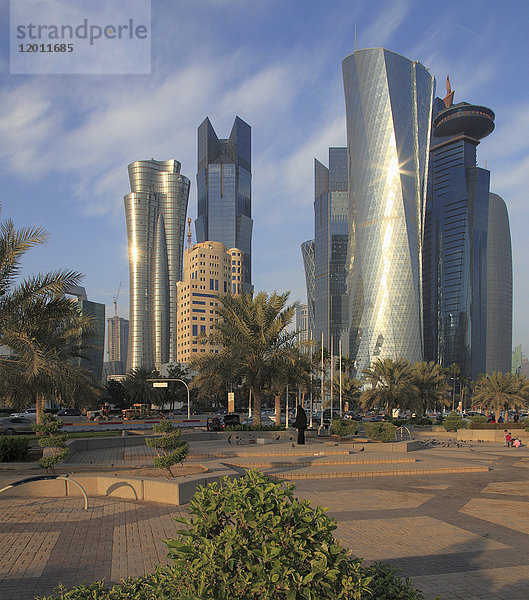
(381, 30)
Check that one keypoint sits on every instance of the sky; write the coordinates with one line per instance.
(66, 140)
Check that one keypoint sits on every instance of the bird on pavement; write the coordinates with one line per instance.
(229, 439)
(277, 437)
(361, 449)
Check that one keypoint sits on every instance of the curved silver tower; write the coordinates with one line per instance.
(155, 212)
(388, 101)
(499, 287)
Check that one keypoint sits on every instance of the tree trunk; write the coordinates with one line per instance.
(256, 406)
(39, 404)
(277, 405)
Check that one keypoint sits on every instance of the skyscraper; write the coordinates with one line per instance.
(118, 340)
(455, 240)
(224, 184)
(307, 252)
(155, 212)
(499, 287)
(331, 209)
(388, 101)
(92, 343)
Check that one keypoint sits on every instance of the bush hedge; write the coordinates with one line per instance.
(255, 427)
(251, 539)
(14, 448)
(454, 422)
(502, 426)
(343, 427)
(382, 432)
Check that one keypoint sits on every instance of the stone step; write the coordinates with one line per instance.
(417, 469)
(307, 463)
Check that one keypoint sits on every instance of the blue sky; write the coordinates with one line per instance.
(65, 141)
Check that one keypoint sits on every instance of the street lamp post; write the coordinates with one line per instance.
(163, 383)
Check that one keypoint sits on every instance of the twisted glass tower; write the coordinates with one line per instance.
(224, 188)
(155, 212)
(388, 101)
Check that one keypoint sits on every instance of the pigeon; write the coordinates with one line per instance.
(277, 437)
(293, 445)
(361, 449)
(290, 438)
(229, 439)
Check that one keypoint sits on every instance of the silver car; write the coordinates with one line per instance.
(12, 425)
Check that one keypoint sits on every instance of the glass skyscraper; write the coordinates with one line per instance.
(307, 251)
(155, 212)
(224, 183)
(388, 101)
(331, 210)
(499, 287)
(455, 239)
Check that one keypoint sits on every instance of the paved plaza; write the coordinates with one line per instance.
(460, 535)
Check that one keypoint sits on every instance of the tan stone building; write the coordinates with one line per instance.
(210, 271)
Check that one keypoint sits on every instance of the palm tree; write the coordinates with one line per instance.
(138, 388)
(432, 389)
(41, 327)
(391, 385)
(289, 367)
(351, 389)
(251, 333)
(500, 392)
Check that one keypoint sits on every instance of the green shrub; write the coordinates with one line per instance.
(169, 447)
(255, 427)
(14, 449)
(420, 421)
(501, 426)
(477, 420)
(343, 427)
(382, 432)
(454, 422)
(251, 539)
(52, 436)
(387, 584)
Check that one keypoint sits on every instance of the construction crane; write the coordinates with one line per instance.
(115, 300)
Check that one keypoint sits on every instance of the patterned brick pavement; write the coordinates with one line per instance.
(463, 536)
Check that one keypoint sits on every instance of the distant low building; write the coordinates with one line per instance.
(210, 271)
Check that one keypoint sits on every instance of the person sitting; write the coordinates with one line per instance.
(516, 443)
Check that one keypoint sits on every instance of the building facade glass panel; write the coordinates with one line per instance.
(388, 108)
(224, 191)
(457, 314)
(155, 212)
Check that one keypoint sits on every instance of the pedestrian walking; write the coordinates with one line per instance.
(300, 424)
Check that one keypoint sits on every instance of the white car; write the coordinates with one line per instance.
(29, 413)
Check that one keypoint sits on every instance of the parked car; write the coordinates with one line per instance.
(12, 425)
(29, 413)
(69, 412)
(231, 419)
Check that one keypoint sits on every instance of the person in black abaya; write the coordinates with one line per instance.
(300, 423)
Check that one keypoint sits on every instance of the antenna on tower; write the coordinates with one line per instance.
(189, 232)
(355, 35)
(115, 300)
